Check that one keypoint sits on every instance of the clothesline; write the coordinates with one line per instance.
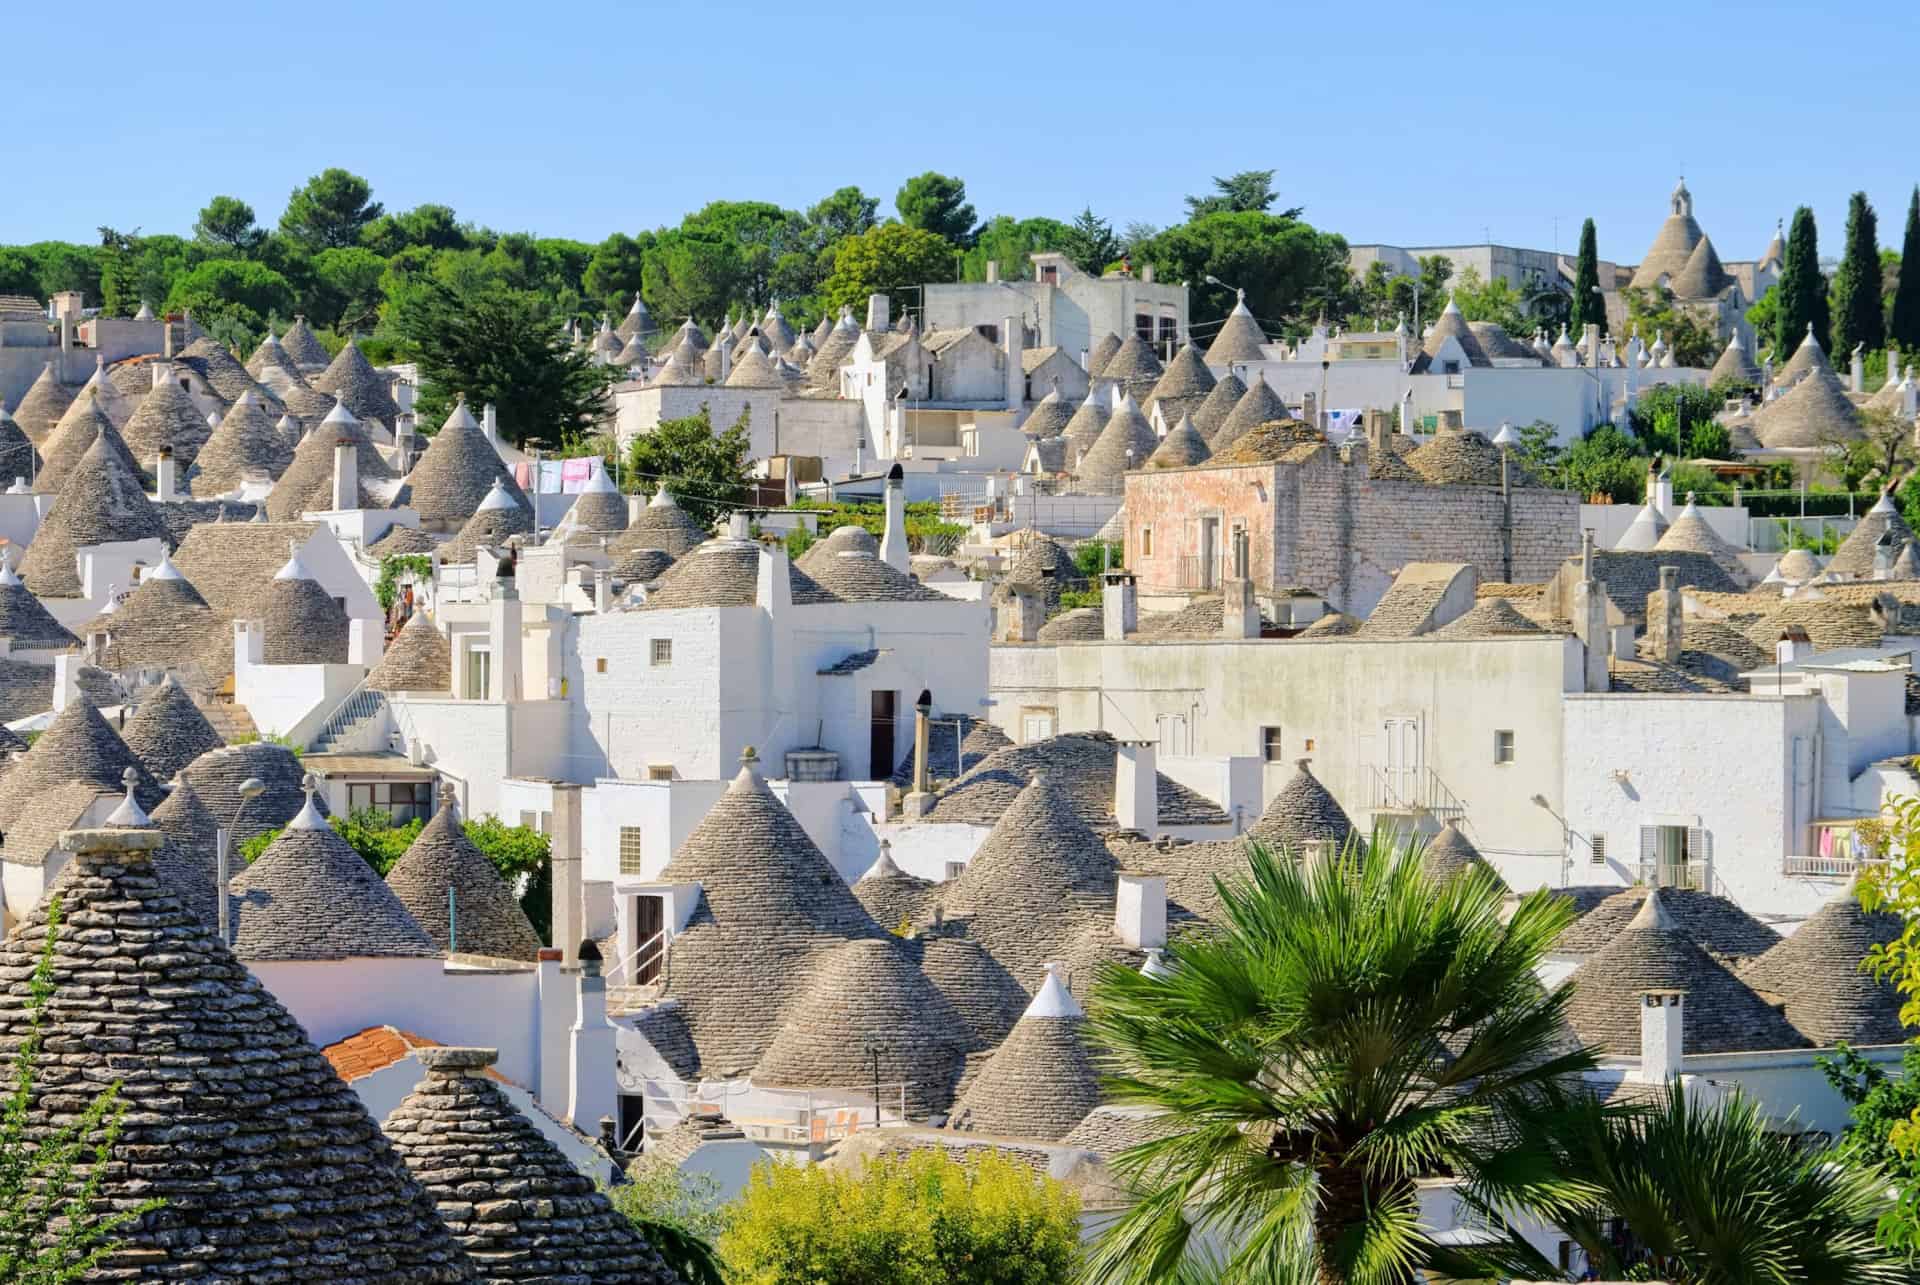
(550, 477)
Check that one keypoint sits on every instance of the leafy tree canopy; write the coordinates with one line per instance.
(705, 472)
(936, 203)
(887, 259)
(330, 210)
(234, 290)
(1249, 191)
(1287, 267)
(1008, 241)
(227, 224)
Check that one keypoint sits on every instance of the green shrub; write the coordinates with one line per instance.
(919, 1219)
(680, 1215)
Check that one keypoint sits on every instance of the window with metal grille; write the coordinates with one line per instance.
(662, 651)
(630, 850)
(1503, 747)
(1597, 849)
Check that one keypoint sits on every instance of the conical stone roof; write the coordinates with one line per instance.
(85, 422)
(1450, 853)
(890, 894)
(638, 320)
(352, 382)
(775, 327)
(508, 1195)
(1690, 533)
(301, 344)
(1806, 359)
(1702, 277)
(1218, 404)
(1042, 1081)
(662, 524)
(1488, 618)
(268, 354)
(218, 775)
(41, 406)
(1856, 553)
(166, 417)
(457, 472)
(1258, 405)
(402, 539)
(497, 519)
(684, 368)
(306, 486)
(310, 896)
(1134, 366)
(1817, 974)
(189, 860)
(78, 745)
(221, 372)
(1182, 448)
(1182, 388)
(232, 1114)
(599, 508)
(163, 623)
(976, 984)
(1100, 354)
(18, 458)
(248, 443)
(102, 501)
(752, 369)
(1085, 425)
(419, 660)
(484, 918)
(1302, 813)
(640, 566)
(1734, 363)
(870, 994)
(1451, 324)
(304, 625)
(1814, 413)
(1672, 246)
(25, 620)
(842, 539)
(1722, 1013)
(1049, 416)
(823, 372)
(1717, 924)
(1040, 873)
(167, 732)
(769, 902)
(1125, 443)
(1239, 337)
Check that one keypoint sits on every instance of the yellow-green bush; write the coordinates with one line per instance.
(924, 1218)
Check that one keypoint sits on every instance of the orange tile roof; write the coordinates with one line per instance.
(376, 1049)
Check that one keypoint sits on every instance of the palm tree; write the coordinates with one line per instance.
(1693, 1193)
(1351, 1026)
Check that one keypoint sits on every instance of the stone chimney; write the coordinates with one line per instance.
(1136, 799)
(919, 800)
(1119, 605)
(346, 475)
(166, 476)
(1013, 342)
(773, 591)
(878, 311)
(993, 271)
(1140, 911)
(893, 538)
(1239, 609)
(603, 590)
(1589, 614)
(590, 1069)
(1023, 615)
(1666, 618)
(556, 1012)
(1662, 1035)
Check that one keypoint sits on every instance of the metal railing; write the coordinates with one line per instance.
(1412, 790)
(1693, 876)
(633, 966)
(795, 1117)
(360, 704)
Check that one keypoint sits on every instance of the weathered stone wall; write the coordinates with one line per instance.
(1322, 523)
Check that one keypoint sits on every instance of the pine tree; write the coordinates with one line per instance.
(1588, 306)
(1803, 292)
(1904, 329)
(1858, 318)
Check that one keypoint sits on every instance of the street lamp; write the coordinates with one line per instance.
(250, 789)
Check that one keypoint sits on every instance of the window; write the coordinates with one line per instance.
(1049, 275)
(662, 651)
(400, 801)
(600, 665)
(1449, 367)
(630, 850)
(955, 869)
(1503, 747)
(1143, 325)
(1272, 748)
(659, 771)
(990, 333)
(1597, 850)
(1169, 330)
(1146, 542)
(1309, 745)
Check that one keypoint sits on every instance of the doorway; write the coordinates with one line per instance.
(649, 917)
(1403, 760)
(880, 759)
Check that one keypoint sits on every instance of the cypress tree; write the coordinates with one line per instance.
(1588, 307)
(1858, 318)
(1803, 292)
(1904, 329)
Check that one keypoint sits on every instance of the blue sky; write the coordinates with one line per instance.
(1400, 122)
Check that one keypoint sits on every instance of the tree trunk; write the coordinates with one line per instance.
(1342, 1206)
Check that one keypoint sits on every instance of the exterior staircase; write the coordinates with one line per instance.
(349, 718)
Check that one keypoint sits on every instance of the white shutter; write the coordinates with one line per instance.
(1649, 846)
(1699, 844)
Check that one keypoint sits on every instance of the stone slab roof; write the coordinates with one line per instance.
(485, 917)
(310, 896)
(1081, 766)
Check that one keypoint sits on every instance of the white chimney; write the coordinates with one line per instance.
(993, 271)
(1662, 1035)
(878, 310)
(162, 372)
(346, 475)
(893, 540)
(569, 905)
(603, 590)
(66, 679)
(1136, 802)
(1014, 341)
(1794, 646)
(490, 424)
(165, 476)
(590, 1069)
(557, 1005)
(1140, 911)
(366, 639)
(1119, 605)
(739, 526)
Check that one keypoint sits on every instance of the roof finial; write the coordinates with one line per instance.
(129, 813)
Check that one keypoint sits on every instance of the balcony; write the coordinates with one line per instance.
(1412, 790)
(1825, 867)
